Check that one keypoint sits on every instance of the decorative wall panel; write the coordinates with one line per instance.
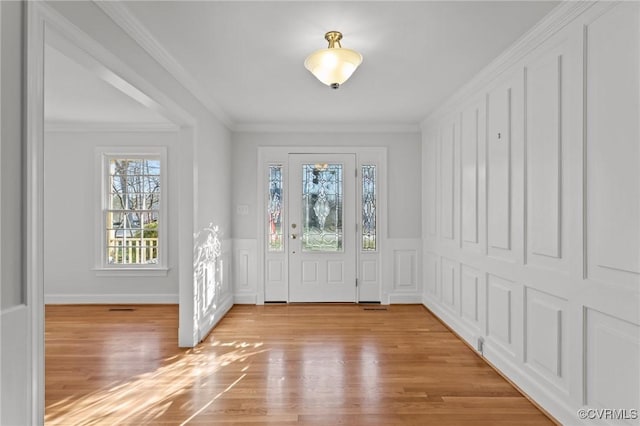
(544, 154)
(470, 294)
(449, 282)
(447, 181)
(405, 270)
(613, 362)
(499, 168)
(471, 128)
(546, 336)
(431, 173)
(500, 311)
(612, 147)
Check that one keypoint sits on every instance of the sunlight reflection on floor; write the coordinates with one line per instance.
(148, 396)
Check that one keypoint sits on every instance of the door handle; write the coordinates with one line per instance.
(294, 236)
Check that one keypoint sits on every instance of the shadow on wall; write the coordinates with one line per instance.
(207, 270)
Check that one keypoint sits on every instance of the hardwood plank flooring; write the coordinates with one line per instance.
(275, 364)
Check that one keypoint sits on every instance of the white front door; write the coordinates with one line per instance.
(322, 228)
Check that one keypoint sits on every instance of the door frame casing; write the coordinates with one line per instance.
(41, 18)
(373, 260)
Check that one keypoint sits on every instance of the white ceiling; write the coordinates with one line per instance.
(77, 94)
(248, 56)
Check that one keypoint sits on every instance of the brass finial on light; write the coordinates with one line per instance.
(333, 65)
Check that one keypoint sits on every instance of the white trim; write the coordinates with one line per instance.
(526, 382)
(91, 127)
(411, 299)
(132, 272)
(122, 17)
(245, 299)
(1, 286)
(553, 22)
(327, 128)
(34, 222)
(102, 155)
(39, 15)
(106, 299)
(280, 155)
(73, 41)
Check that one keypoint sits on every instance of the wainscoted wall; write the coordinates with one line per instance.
(531, 211)
(390, 275)
(401, 273)
(245, 269)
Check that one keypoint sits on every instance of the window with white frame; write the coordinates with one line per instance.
(132, 224)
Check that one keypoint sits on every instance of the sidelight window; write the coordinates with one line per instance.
(368, 208)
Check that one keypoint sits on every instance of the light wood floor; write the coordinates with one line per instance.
(286, 364)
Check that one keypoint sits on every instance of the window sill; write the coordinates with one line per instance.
(131, 272)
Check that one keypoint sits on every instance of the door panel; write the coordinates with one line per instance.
(321, 228)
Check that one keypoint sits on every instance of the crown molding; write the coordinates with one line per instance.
(68, 126)
(122, 17)
(553, 22)
(326, 128)
(71, 40)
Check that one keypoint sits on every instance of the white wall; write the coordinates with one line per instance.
(532, 212)
(403, 152)
(204, 152)
(400, 273)
(71, 183)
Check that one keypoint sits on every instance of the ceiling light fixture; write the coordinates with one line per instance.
(333, 65)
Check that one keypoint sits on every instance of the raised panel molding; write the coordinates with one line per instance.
(470, 294)
(612, 149)
(546, 336)
(309, 272)
(244, 283)
(369, 278)
(431, 171)
(544, 85)
(500, 311)
(405, 270)
(369, 271)
(402, 271)
(447, 181)
(335, 272)
(275, 270)
(471, 129)
(613, 361)
(448, 277)
(431, 273)
(499, 168)
(242, 269)
(562, 215)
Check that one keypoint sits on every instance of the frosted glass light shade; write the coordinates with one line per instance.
(333, 66)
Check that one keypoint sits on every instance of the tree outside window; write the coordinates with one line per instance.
(133, 210)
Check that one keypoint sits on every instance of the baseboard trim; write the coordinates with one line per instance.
(436, 311)
(410, 298)
(221, 311)
(102, 299)
(245, 299)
